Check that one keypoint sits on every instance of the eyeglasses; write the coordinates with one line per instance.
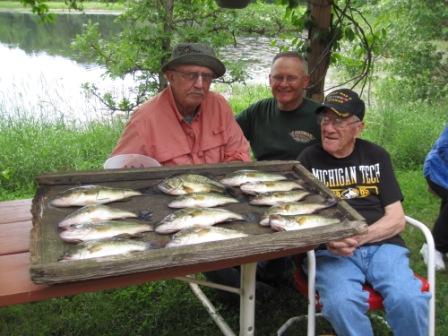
(337, 122)
(289, 79)
(193, 76)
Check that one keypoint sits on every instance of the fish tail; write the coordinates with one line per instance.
(331, 202)
(145, 215)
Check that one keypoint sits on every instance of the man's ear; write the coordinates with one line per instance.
(306, 81)
(359, 128)
(168, 75)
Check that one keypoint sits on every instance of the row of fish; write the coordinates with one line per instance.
(95, 228)
(191, 235)
(197, 197)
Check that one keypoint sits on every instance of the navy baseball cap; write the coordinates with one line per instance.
(344, 103)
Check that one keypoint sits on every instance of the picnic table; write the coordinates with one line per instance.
(16, 286)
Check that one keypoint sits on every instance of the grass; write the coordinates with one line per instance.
(31, 147)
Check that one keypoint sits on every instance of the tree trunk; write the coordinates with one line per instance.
(319, 35)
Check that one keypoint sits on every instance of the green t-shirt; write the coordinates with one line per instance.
(279, 135)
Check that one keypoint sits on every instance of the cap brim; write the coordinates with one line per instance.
(334, 110)
(210, 62)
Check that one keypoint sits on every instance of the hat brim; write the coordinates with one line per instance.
(210, 62)
(334, 110)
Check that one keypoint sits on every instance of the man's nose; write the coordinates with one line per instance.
(199, 82)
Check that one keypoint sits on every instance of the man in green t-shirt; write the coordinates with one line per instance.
(279, 128)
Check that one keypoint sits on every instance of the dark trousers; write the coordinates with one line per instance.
(270, 273)
(440, 228)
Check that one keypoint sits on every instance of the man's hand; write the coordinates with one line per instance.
(343, 247)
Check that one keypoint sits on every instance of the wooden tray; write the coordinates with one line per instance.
(263, 243)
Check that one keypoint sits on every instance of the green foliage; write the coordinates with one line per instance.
(405, 45)
(32, 147)
(405, 127)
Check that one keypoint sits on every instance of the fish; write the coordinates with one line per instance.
(189, 217)
(188, 184)
(94, 214)
(269, 186)
(298, 222)
(295, 208)
(105, 247)
(240, 177)
(278, 197)
(102, 230)
(196, 235)
(201, 200)
(92, 194)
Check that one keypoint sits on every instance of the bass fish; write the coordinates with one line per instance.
(94, 214)
(240, 177)
(189, 217)
(278, 197)
(269, 186)
(189, 183)
(92, 194)
(201, 200)
(289, 223)
(196, 235)
(105, 247)
(294, 208)
(108, 229)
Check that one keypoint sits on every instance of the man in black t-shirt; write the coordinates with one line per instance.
(361, 173)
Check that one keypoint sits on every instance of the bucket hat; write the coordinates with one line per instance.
(344, 103)
(195, 54)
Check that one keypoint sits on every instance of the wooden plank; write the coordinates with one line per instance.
(15, 211)
(15, 237)
(137, 174)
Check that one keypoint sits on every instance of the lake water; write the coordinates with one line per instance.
(39, 78)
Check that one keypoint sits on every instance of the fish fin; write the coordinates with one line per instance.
(290, 176)
(252, 217)
(236, 193)
(65, 257)
(145, 215)
(331, 202)
(156, 244)
(149, 191)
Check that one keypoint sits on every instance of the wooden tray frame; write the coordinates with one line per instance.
(45, 246)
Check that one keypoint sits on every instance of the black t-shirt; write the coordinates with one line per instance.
(365, 179)
(279, 135)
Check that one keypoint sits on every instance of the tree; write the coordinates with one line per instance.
(328, 24)
(152, 28)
